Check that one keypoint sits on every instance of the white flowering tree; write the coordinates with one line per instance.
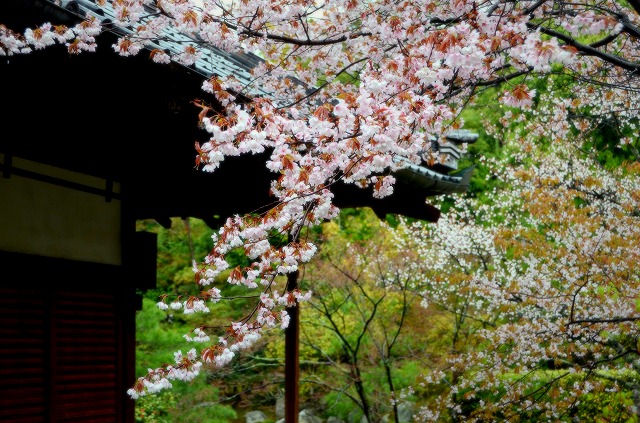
(351, 85)
(545, 271)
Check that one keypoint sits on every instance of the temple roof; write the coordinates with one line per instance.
(131, 119)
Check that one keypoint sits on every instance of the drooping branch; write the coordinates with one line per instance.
(604, 320)
(588, 50)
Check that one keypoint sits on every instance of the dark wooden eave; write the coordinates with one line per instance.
(132, 121)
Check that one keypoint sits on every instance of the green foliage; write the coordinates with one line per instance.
(155, 408)
(193, 405)
(407, 374)
(157, 337)
(604, 144)
(606, 407)
(358, 224)
(339, 405)
(199, 406)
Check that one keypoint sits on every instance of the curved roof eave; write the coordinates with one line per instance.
(222, 63)
(434, 183)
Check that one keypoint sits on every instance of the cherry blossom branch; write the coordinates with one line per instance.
(588, 50)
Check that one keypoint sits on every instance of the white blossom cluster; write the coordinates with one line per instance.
(558, 280)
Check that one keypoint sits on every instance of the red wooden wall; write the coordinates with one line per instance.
(66, 342)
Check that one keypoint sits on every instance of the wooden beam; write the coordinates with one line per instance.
(292, 358)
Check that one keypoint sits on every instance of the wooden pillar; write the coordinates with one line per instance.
(291, 357)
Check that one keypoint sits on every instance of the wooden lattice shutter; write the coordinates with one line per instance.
(24, 347)
(85, 356)
(59, 355)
